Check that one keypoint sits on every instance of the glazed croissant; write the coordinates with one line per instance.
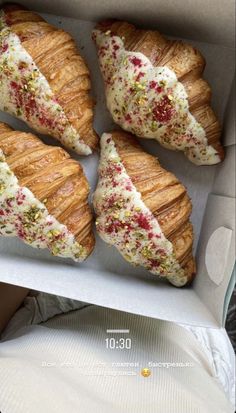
(43, 79)
(143, 210)
(43, 196)
(154, 89)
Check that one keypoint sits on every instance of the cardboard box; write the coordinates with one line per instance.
(105, 278)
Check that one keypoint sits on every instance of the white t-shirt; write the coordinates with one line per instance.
(63, 365)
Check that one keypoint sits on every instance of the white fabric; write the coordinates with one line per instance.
(58, 366)
(220, 354)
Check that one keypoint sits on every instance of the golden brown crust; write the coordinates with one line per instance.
(163, 194)
(54, 178)
(56, 55)
(188, 65)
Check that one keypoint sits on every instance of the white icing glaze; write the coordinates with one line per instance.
(123, 220)
(23, 215)
(26, 93)
(150, 101)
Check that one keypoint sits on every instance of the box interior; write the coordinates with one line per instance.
(120, 285)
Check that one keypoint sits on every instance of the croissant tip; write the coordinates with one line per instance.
(10, 7)
(4, 125)
(190, 278)
(221, 153)
(105, 24)
(191, 274)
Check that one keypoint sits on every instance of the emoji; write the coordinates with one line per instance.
(146, 372)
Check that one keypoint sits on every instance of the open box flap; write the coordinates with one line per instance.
(216, 254)
(229, 121)
(109, 290)
(202, 20)
(224, 183)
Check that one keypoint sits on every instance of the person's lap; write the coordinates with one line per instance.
(153, 341)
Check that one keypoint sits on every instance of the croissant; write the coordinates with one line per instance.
(43, 196)
(143, 210)
(43, 79)
(154, 89)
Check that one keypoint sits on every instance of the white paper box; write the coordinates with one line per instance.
(105, 278)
